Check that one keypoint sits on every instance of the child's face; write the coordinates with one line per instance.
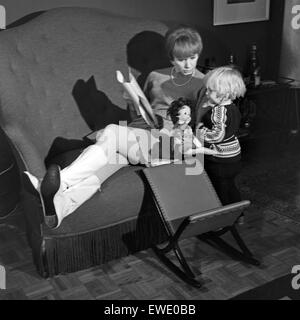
(214, 97)
(184, 115)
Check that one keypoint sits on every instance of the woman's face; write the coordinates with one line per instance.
(187, 65)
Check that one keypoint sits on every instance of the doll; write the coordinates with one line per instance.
(182, 133)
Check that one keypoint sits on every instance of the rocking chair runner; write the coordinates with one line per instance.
(189, 206)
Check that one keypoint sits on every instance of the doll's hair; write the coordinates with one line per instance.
(182, 42)
(175, 107)
(225, 81)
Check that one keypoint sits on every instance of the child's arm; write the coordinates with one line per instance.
(200, 149)
(217, 132)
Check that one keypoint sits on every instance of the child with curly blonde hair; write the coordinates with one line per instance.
(219, 130)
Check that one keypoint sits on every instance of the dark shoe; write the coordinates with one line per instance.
(49, 186)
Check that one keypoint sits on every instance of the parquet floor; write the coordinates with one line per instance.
(272, 236)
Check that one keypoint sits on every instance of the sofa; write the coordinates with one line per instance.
(57, 85)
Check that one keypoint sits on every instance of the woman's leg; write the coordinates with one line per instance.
(122, 140)
(80, 180)
(110, 143)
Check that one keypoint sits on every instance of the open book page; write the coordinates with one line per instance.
(137, 96)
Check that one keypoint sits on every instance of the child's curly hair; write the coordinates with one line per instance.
(225, 81)
(175, 107)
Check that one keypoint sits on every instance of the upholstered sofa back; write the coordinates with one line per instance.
(42, 60)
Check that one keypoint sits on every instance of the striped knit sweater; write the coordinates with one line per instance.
(221, 126)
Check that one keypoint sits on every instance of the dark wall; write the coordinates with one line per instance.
(220, 41)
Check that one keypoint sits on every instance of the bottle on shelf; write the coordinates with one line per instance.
(213, 63)
(254, 68)
(206, 67)
(232, 61)
(209, 64)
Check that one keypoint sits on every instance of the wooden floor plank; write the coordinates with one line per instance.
(271, 230)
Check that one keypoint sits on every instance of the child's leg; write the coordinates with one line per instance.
(233, 192)
(222, 176)
(227, 190)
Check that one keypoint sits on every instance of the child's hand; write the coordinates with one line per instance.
(177, 140)
(202, 132)
(213, 151)
(200, 125)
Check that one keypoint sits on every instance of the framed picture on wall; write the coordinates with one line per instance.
(239, 11)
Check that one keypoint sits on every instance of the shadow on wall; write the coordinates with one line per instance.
(145, 53)
(95, 107)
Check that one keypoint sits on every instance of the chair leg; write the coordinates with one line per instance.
(244, 255)
(184, 273)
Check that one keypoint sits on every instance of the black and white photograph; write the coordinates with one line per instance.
(238, 11)
(150, 153)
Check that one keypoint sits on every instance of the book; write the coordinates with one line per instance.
(133, 91)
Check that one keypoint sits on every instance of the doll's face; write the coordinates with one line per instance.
(184, 115)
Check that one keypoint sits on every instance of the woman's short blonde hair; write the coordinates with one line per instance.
(182, 42)
(226, 81)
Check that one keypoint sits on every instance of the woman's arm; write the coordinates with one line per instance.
(202, 105)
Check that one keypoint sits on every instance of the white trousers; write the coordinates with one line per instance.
(83, 178)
